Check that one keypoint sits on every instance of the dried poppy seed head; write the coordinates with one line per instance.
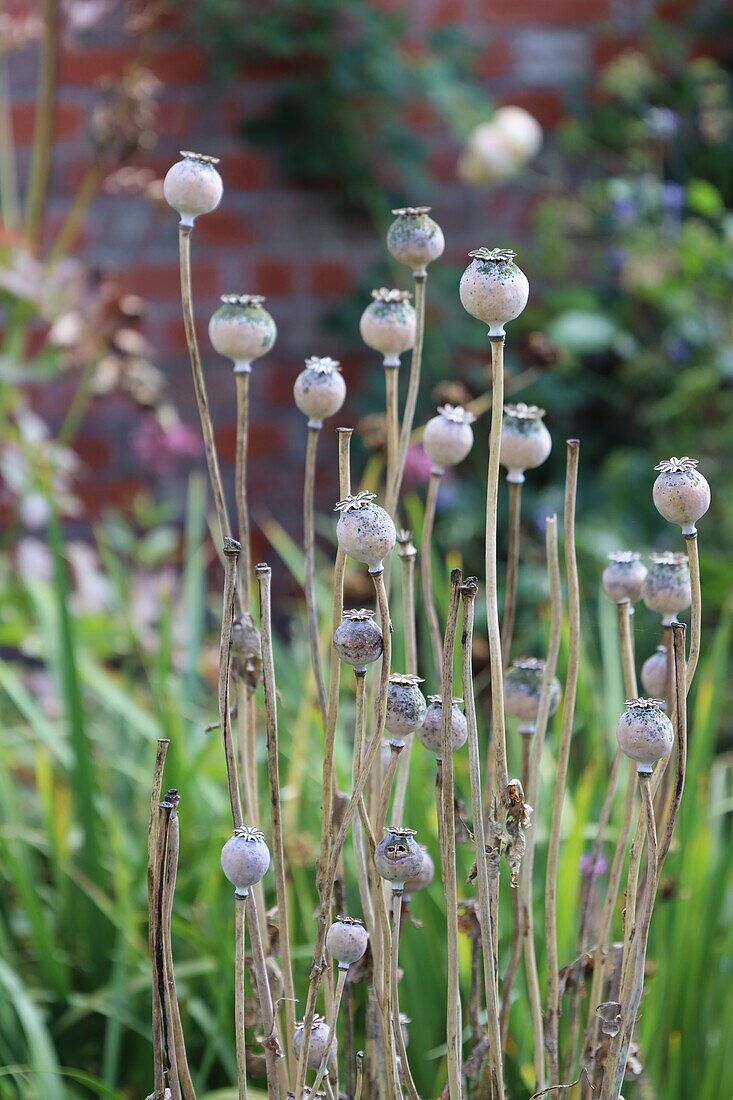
(406, 706)
(525, 440)
(406, 547)
(448, 437)
(430, 733)
(644, 733)
(193, 186)
(654, 672)
(244, 859)
(242, 330)
(426, 875)
(388, 324)
(319, 1041)
(415, 239)
(319, 390)
(365, 531)
(398, 857)
(493, 288)
(346, 941)
(523, 690)
(358, 639)
(681, 494)
(667, 588)
(624, 575)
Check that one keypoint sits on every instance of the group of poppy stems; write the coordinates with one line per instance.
(389, 862)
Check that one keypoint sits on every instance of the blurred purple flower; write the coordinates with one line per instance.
(662, 123)
(587, 869)
(417, 468)
(677, 349)
(673, 196)
(623, 208)
(162, 446)
(616, 259)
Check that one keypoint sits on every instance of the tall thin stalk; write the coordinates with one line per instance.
(397, 899)
(331, 1024)
(693, 558)
(241, 381)
(413, 389)
(448, 847)
(273, 1054)
(512, 569)
(407, 555)
(309, 546)
(563, 757)
(496, 1069)
(264, 580)
(155, 869)
(391, 393)
(426, 569)
(240, 1005)
(231, 558)
(43, 125)
(532, 797)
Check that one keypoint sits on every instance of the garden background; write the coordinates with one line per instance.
(325, 116)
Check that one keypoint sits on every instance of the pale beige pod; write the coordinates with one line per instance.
(654, 673)
(493, 288)
(346, 940)
(644, 733)
(193, 186)
(406, 706)
(523, 689)
(525, 441)
(448, 437)
(398, 857)
(242, 330)
(365, 531)
(319, 390)
(681, 494)
(245, 859)
(358, 639)
(667, 588)
(388, 324)
(623, 577)
(430, 733)
(319, 1042)
(415, 239)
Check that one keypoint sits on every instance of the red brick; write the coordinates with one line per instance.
(94, 451)
(245, 169)
(182, 64)
(265, 438)
(492, 59)
(175, 118)
(161, 282)
(330, 278)
(68, 122)
(544, 103)
(272, 277)
(606, 48)
(542, 11)
(226, 230)
(442, 164)
(104, 492)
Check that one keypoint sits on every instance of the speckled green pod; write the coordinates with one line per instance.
(414, 238)
(525, 441)
(388, 324)
(644, 733)
(493, 289)
(242, 330)
(319, 390)
(681, 493)
(358, 639)
(365, 531)
(667, 588)
(406, 705)
(193, 186)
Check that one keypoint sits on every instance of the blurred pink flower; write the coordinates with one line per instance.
(162, 446)
(417, 468)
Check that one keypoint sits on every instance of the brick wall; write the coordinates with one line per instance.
(270, 238)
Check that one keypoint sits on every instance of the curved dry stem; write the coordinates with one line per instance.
(426, 570)
(448, 848)
(695, 608)
(512, 569)
(231, 558)
(180, 1073)
(396, 1025)
(566, 732)
(199, 385)
(239, 995)
(155, 869)
(413, 388)
(241, 379)
(498, 722)
(407, 555)
(309, 546)
(493, 1035)
(264, 580)
(273, 1055)
(532, 797)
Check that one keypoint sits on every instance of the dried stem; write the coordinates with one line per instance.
(264, 580)
(448, 847)
(395, 750)
(309, 546)
(273, 1054)
(155, 868)
(512, 569)
(397, 897)
(199, 385)
(498, 722)
(568, 713)
(695, 609)
(359, 1074)
(231, 558)
(413, 388)
(241, 379)
(176, 1042)
(532, 797)
(496, 1069)
(331, 1022)
(43, 125)
(407, 554)
(426, 570)
(239, 997)
(391, 390)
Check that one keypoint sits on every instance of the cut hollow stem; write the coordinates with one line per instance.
(309, 547)
(426, 570)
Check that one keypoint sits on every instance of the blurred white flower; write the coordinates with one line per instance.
(497, 151)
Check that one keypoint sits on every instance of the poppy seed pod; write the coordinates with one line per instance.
(525, 441)
(414, 238)
(644, 733)
(346, 941)
(244, 859)
(406, 705)
(365, 531)
(319, 390)
(388, 324)
(667, 589)
(425, 876)
(398, 857)
(242, 330)
(623, 577)
(654, 673)
(319, 1043)
(493, 288)
(358, 639)
(448, 437)
(193, 186)
(523, 688)
(681, 493)
(430, 733)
